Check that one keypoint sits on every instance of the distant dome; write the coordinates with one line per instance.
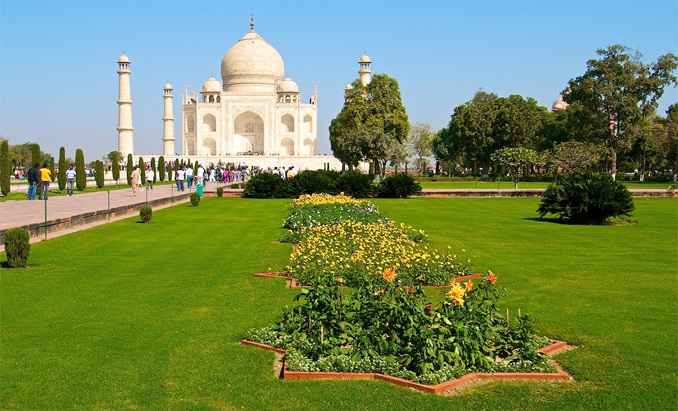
(168, 86)
(364, 59)
(212, 85)
(288, 86)
(251, 65)
(559, 104)
(123, 58)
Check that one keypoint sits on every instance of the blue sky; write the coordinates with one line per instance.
(58, 83)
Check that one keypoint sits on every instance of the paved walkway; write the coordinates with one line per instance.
(20, 213)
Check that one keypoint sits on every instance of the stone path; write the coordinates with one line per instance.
(21, 213)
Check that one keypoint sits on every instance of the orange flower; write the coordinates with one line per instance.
(468, 284)
(389, 275)
(491, 277)
(456, 294)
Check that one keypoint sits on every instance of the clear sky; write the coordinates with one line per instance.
(58, 84)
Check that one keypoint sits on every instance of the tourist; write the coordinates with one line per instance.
(45, 179)
(200, 178)
(70, 180)
(150, 175)
(136, 180)
(181, 174)
(32, 177)
(189, 177)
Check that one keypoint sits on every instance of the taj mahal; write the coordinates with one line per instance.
(254, 116)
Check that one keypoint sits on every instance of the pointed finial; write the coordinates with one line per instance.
(251, 22)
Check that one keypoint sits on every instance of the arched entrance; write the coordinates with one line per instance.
(249, 127)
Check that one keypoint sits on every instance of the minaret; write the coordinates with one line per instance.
(365, 71)
(125, 129)
(168, 122)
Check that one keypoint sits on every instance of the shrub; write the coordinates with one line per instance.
(115, 167)
(266, 185)
(316, 181)
(5, 168)
(398, 186)
(586, 198)
(354, 183)
(17, 247)
(61, 177)
(128, 169)
(80, 177)
(145, 213)
(220, 191)
(195, 199)
(99, 173)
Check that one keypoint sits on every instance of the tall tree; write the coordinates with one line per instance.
(142, 170)
(115, 166)
(519, 122)
(61, 176)
(161, 168)
(672, 138)
(617, 91)
(52, 170)
(129, 168)
(153, 169)
(36, 158)
(420, 140)
(5, 167)
(80, 176)
(99, 173)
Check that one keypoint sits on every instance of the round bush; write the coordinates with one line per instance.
(145, 214)
(398, 186)
(586, 198)
(265, 185)
(220, 191)
(354, 183)
(17, 247)
(316, 181)
(195, 199)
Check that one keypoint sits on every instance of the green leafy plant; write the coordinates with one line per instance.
(516, 161)
(129, 168)
(266, 185)
(354, 183)
(586, 198)
(80, 177)
(99, 173)
(145, 213)
(5, 168)
(17, 247)
(220, 191)
(398, 186)
(195, 199)
(61, 177)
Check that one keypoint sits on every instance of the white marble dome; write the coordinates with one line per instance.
(123, 58)
(168, 86)
(211, 85)
(251, 65)
(288, 86)
(364, 59)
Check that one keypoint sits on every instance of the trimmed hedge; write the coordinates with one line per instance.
(17, 247)
(268, 185)
(398, 186)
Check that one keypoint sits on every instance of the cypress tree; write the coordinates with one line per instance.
(195, 169)
(5, 169)
(128, 169)
(153, 168)
(161, 168)
(62, 169)
(99, 170)
(176, 167)
(80, 177)
(35, 155)
(52, 171)
(142, 170)
(115, 167)
(169, 171)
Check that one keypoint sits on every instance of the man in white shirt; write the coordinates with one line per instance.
(181, 174)
(70, 180)
(201, 175)
(189, 176)
(149, 178)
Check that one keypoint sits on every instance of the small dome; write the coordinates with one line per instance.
(168, 86)
(364, 59)
(250, 63)
(349, 86)
(212, 85)
(288, 86)
(559, 104)
(123, 58)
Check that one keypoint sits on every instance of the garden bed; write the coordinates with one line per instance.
(554, 348)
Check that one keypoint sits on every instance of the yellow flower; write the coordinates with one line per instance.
(456, 294)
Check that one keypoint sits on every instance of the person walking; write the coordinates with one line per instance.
(181, 175)
(33, 180)
(45, 179)
(136, 180)
(150, 174)
(189, 176)
(70, 180)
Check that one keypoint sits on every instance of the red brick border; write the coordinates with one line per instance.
(556, 347)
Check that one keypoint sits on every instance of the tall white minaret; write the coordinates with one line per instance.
(365, 71)
(168, 122)
(125, 129)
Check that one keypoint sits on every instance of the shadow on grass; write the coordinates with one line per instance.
(549, 220)
(614, 221)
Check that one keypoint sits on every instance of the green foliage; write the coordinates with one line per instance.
(571, 156)
(5, 168)
(516, 161)
(99, 173)
(398, 186)
(421, 139)
(586, 198)
(142, 170)
(153, 168)
(354, 183)
(315, 181)
(17, 247)
(177, 166)
(195, 199)
(61, 176)
(304, 216)
(115, 166)
(80, 177)
(36, 157)
(52, 171)
(145, 213)
(220, 191)
(266, 185)
(161, 168)
(129, 168)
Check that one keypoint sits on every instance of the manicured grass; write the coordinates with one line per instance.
(91, 188)
(490, 185)
(149, 316)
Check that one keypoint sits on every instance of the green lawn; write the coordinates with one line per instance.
(127, 315)
(444, 183)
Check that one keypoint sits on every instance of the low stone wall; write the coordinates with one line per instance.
(59, 224)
